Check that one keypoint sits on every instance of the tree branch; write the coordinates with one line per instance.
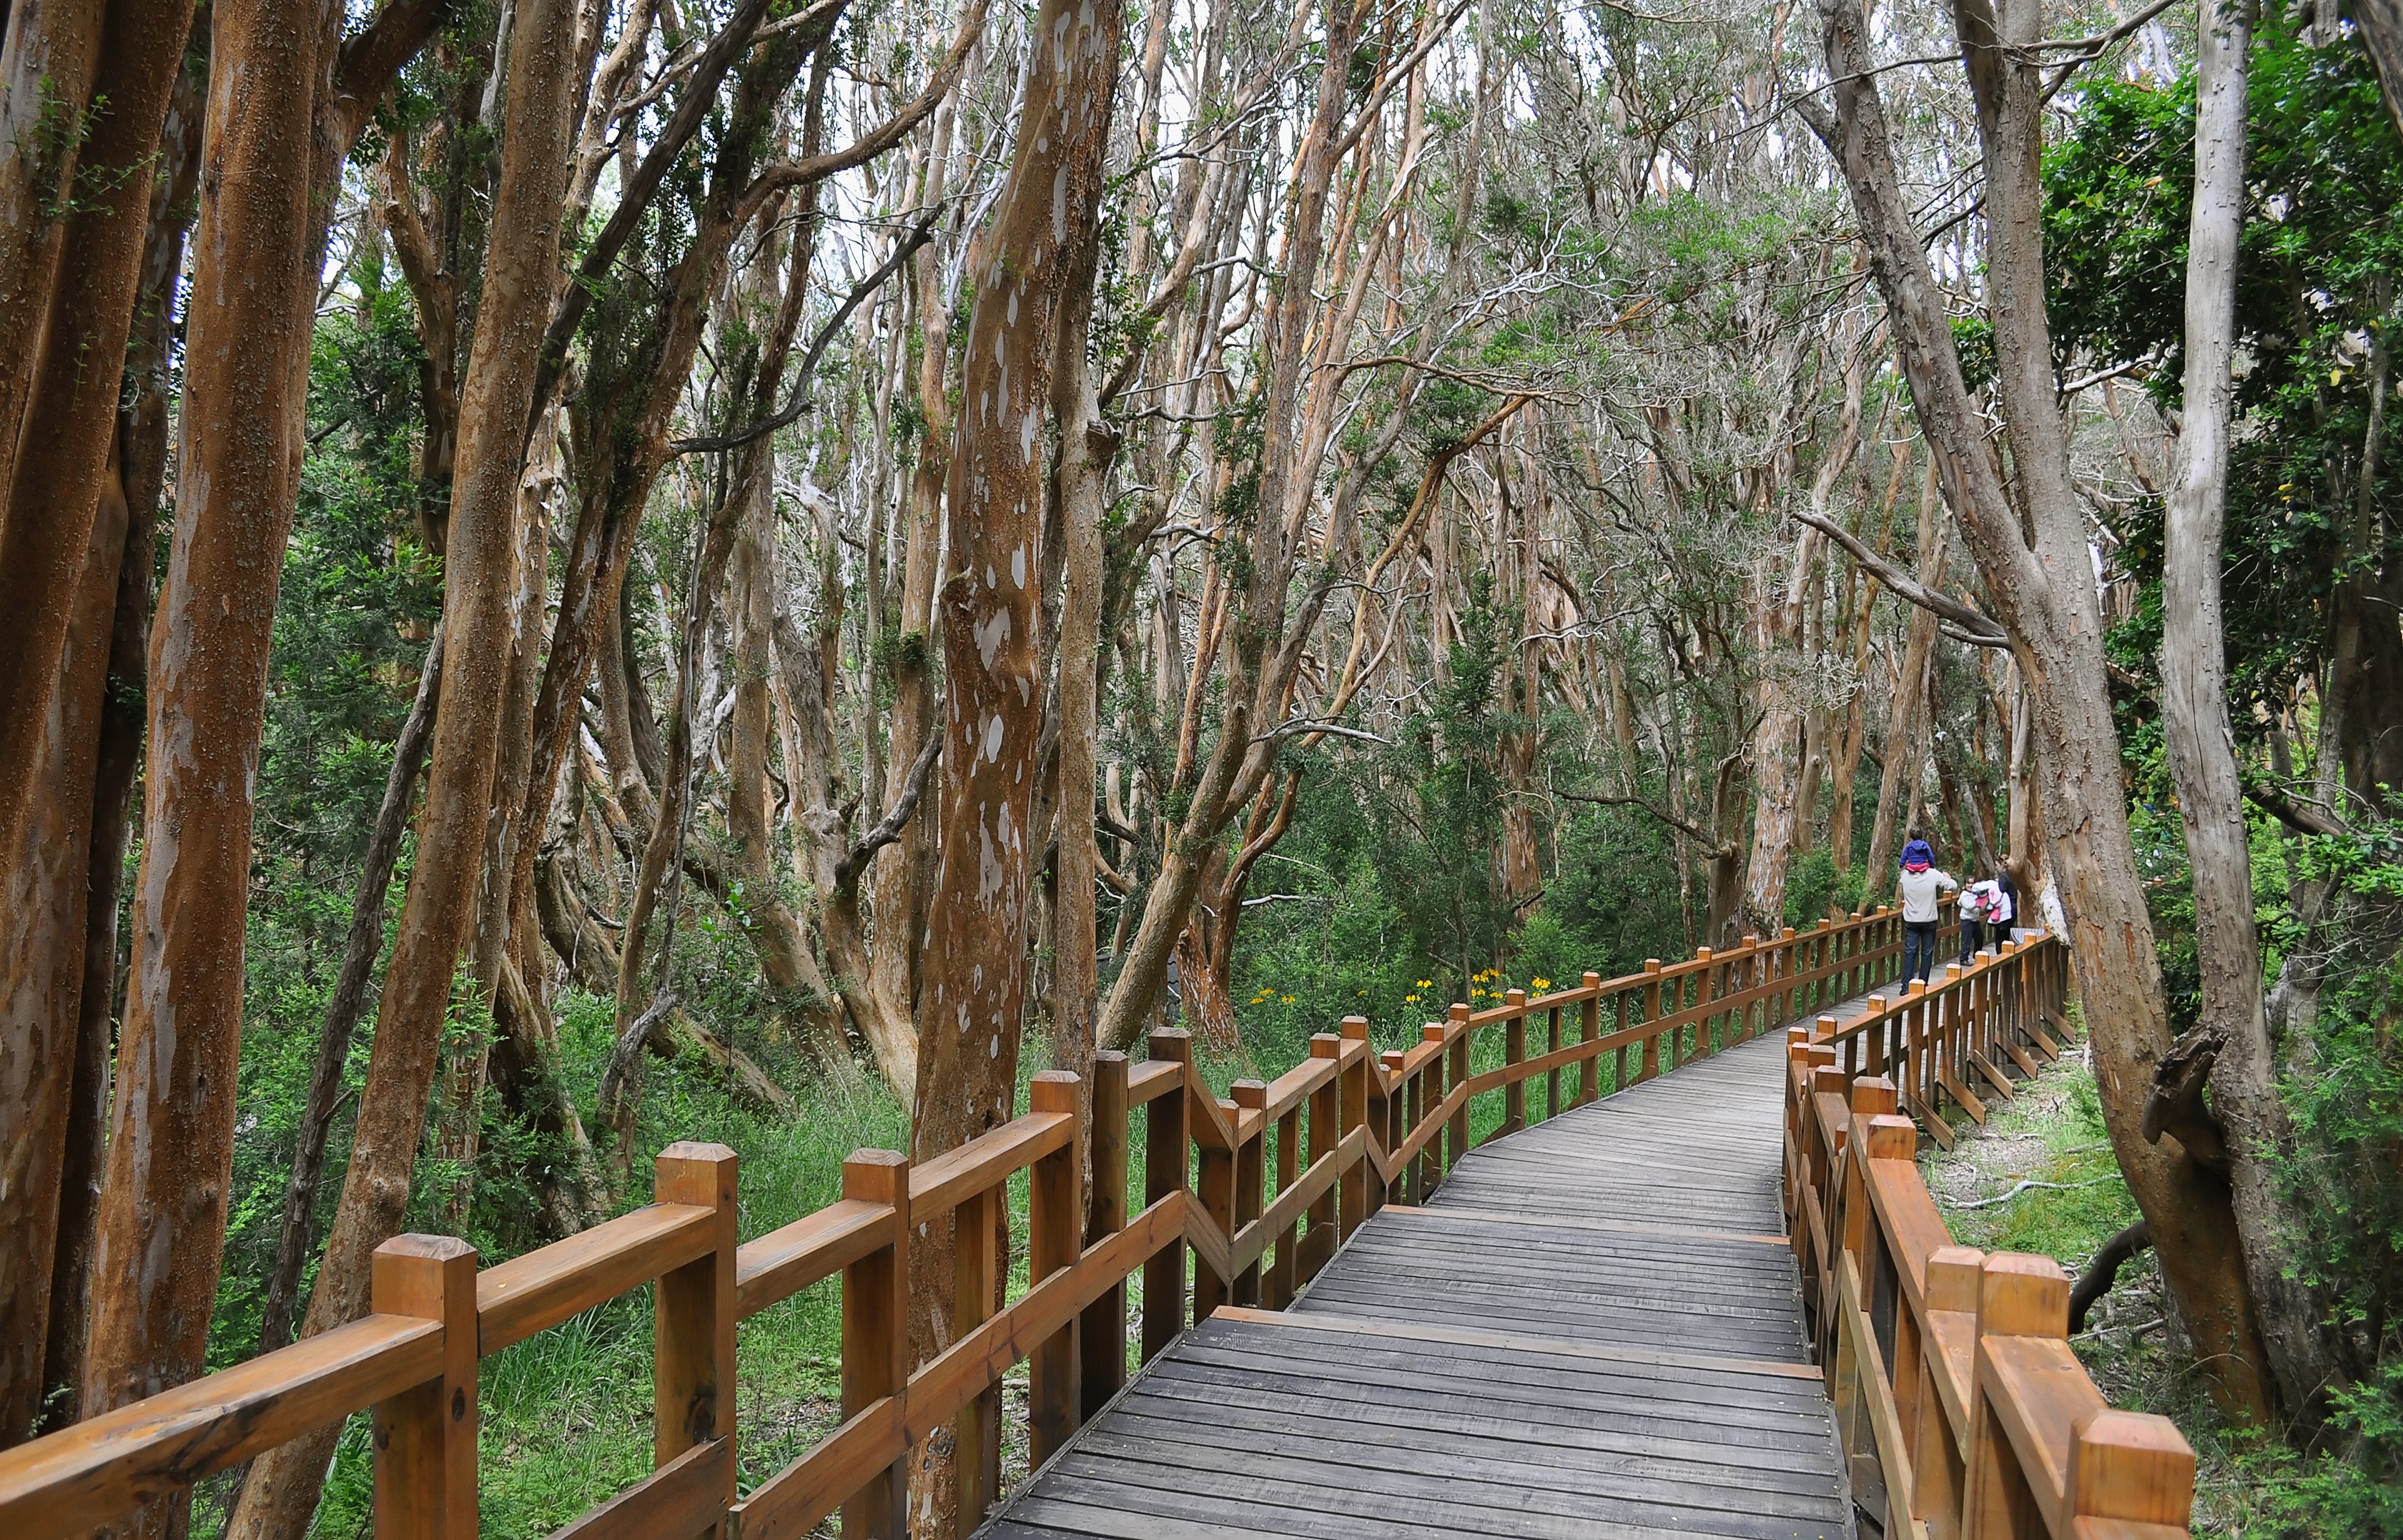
(1684, 825)
(919, 235)
(1974, 628)
(847, 872)
(2302, 817)
(816, 167)
(700, 96)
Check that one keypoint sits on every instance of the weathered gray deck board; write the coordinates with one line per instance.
(1592, 1330)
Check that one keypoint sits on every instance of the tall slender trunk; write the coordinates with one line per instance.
(59, 437)
(1898, 786)
(1255, 619)
(1087, 449)
(2202, 746)
(439, 913)
(1029, 265)
(40, 1015)
(1782, 815)
(2028, 535)
(254, 287)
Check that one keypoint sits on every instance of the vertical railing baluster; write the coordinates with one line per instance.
(1590, 1031)
(1251, 1174)
(1101, 1346)
(1362, 1102)
(1277, 1283)
(692, 1342)
(1431, 1167)
(1165, 1141)
(1318, 1240)
(1055, 1228)
(875, 1355)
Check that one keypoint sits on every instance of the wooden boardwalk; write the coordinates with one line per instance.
(1595, 1328)
(1591, 1327)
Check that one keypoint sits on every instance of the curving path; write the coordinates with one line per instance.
(1594, 1329)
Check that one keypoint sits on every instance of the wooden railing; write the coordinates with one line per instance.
(1963, 1412)
(1258, 1191)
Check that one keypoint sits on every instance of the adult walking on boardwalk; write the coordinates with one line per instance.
(1921, 885)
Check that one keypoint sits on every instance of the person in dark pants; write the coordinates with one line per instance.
(1977, 914)
(1921, 885)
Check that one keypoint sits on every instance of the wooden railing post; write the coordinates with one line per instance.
(1938, 1474)
(1456, 1136)
(1590, 1030)
(1101, 1355)
(1397, 1126)
(692, 1344)
(876, 1350)
(1782, 970)
(1651, 1065)
(2018, 1294)
(1552, 1077)
(1431, 1170)
(1055, 1225)
(2131, 1466)
(1250, 1096)
(1164, 1169)
(1514, 1053)
(1277, 1285)
(425, 1437)
(1319, 1240)
(1360, 1182)
(978, 1265)
(1214, 1189)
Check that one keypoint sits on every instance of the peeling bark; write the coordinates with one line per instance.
(1027, 263)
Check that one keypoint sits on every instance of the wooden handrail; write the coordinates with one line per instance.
(1378, 1128)
(1959, 1402)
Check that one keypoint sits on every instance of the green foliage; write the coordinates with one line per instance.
(2323, 236)
(1810, 884)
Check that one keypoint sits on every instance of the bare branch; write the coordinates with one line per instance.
(1973, 628)
(848, 871)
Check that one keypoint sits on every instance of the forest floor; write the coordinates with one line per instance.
(2051, 1137)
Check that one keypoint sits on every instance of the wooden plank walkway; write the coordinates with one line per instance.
(1594, 1329)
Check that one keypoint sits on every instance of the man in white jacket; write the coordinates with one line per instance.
(1920, 887)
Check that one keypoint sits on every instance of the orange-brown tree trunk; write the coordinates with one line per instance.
(478, 621)
(1024, 264)
(42, 951)
(253, 294)
(85, 88)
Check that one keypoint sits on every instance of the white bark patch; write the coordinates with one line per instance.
(990, 633)
(1060, 204)
(989, 866)
(1026, 440)
(993, 747)
(1018, 566)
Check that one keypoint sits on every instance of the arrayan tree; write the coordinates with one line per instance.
(839, 554)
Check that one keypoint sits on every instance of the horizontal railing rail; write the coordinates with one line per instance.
(1962, 1410)
(1244, 1201)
